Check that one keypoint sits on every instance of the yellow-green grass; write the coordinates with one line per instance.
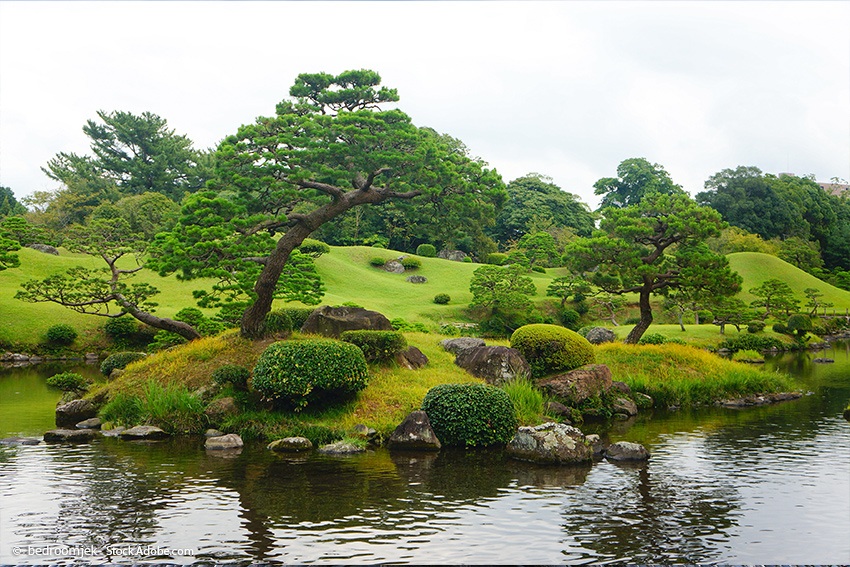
(703, 336)
(756, 268)
(685, 376)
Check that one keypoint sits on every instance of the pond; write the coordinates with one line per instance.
(763, 485)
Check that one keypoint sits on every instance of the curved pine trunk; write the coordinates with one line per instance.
(645, 318)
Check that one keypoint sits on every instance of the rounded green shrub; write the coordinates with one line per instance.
(538, 269)
(300, 372)
(467, 259)
(652, 339)
(314, 248)
(377, 261)
(61, 334)
(755, 326)
(750, 342)
(119, 360)
(165, 339)
(68, 381)
(584, 330)
(799, 324)
(190, 315)
(550, 348)
(442, 298)
(780, 328)
(496, 258)
(426, 251)
(377, 346)
(570, 318)
(705, 317)
(297, 315)
(411, 263)
(232, 374)
(470, 415)
(120, 327)
(277, 322)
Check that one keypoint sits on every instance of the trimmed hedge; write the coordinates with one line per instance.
(411, 263)
(496, 258)
(119, 360)
(300, 372)
(652, 339)
(470, 415)
(68, 381)
(442, 298)
(550, 348)
(377, 261)
(297, 315)
(61, 334)
(314, 248)
(121, 327)
(426, 251)
(751, 342)
(232, 374)
(277, 322)
(377, 346)
(755, 327)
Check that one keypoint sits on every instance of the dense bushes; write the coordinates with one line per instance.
(755, 326)
(652, 339)
(120, 327)
(61, 335)
(570, 318)
(377, 346)
(496, 259)
(750, 342)
(119, 360)
(799, 325)
(411, 263)
(299, 372)
(377, 262)
(442, 298)
(399, 324)
(232, 374)
(470, 414)
(297, 315)
(68, 381)
(314, 248)
(549, 348)
(426, 251)
(277, 322)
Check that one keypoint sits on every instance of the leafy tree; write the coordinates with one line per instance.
(328, 150)
(729, 311)
(7, 258)
(8, 204)
(734, 239)
(608, 305)
(540, 248)
(813, 296)
(774, 295)
(805, 254)
(652, 246)
(148, 213)
(19, 230)
(636, 178)
(533, 204)
(504, 294)
(687, 300)
(566, 287)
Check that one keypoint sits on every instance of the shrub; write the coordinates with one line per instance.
(631, 321)
(120, 327)
(538, 269)
(68, 381)
(442, 298)
(569, 318)
(750, 342)
(652, 339)
(675, 341)
(411, 263)
(706, 317)
(780, 328)
(277, 322)
(61, 334)
(549, 348)
(210, 327)
(526, 399)
(165, 339)
(449, 330)
(190, 315)
(426, 251)
(377, 261)
(119, 360)
(314, 248)
(496, 259)
(747, 355)
(230, 314)
(232, 374)
(755, 326)
(400, 324)
(297, 315)
(798, 325)
(467, 259)
(299, 372)
(377, 346)
(470, 415)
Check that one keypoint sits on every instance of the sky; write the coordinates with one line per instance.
(563, 88)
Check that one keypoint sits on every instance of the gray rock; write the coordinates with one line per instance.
(823, 360)
(290, 445)
(69, 435)
(147, 432)
(91, 356)
(213, 433)
(455, 346)
(596, 444)
(626, 451)
(394, 267)
(223, 442)
(554, 443)
(412, 358)
(623, 405)
(332, 321)
(220, 409)
(73, 412)
(497, 365)
(599, 335)
(365, 432)
(45, 248)
(453, 255)
(417, 279)
(414, 434)
(114, 432)
(20, 441)
(560, 410)
(621, 387)
(341, 448)
(93, 423)
(577, 385)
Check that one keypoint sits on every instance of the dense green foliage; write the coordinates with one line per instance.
(297, 315)
(470, 415)
(314, 248)
(652, 339)
(377, 346)
(277, 322)
(171, 407)
(750, 342)
(426, 250)
(233, 374)
(442, 298)
(9, 205)
(119, 360)
(636, 179)
(550, 348)
(411, 263)
(68, 382)
(526, 399)
(300, 372)
(120, 327)
(61, 334)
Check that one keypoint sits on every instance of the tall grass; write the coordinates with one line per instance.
(170, 407)
(527, 400)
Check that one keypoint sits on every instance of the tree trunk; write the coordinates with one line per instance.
(681, 318)
(645, 317)
(696, 318)
(183, 329)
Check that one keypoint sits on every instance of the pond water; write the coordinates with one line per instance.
(764, 485)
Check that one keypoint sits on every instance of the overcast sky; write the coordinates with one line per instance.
(567, 89)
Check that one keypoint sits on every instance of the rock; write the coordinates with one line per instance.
(453, 255)
(455, 346)
(223, 442)
(219, 409)
(365, 432)
(560, 410)
(599, 335)
(497, 365)
(73, 412)
(332, 321)
(394, 267)
(114, 432)
(69, 435)
(412, 358)
(596, 444)
(116, 372)
(417, 279)
(577, 385)
(624, 406)
(93, 423)
(341, 448)
(823, 360)
(213, 433)
(290, 445)
(146, 432)
(621, 387)
(45, 248)
(20, 441)
(642, 400)
(760, 400)
(625, 451)
(414, 434)
(91, 356)
(554, 443)
(847, 414)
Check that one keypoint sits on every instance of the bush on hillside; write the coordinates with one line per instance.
(377, 262)
(123, 327)
(61, 334)
(314, 248)
(165, 339)
(570, 318)
(277, 322)
(399, 324)
(756, 326)
(233, 374)
(191, 315)
(377, 346)
(706, 317)
(750, 342)
(467, 260)
(538, 269)
(652, 339)
(230, 314)
(119, 360)
(550, 348)
(799, 325)
(411, 263)
(68, 382)
(496, 258)
(300, 372)
(426, 251)
(470, 415)
(780, 328)
(442, 298)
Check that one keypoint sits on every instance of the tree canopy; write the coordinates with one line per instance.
(636, 178)
(8, 204)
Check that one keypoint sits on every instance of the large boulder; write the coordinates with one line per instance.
(412, 358)
(577, 385)
(341, 448)
(219, 410)
(453, 255)
(69, 435)
(73, 412)
(497, 365)
(143, 432)
(227, 442)
(625, 451)
(599, 335)
(394, 267)
(454, 346)
(44, 248)
(553, 443)
(414, 434)
(332, 321)
(623, 406)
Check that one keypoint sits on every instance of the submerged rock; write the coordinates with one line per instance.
(554, 443)
(147, 432)
(624, 406)
(626, 451)
(223, 442)
(760, 400)
(341, 448)
(20, 441)
(414, 434)
(69, 435)
(114, 432)
(290, 445)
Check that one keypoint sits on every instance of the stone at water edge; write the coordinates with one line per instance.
(341, 448)
(553, 443)
(213, 433)
(143, 432)
(290, 445)
(73, 412)
(93, 423)
(114, 432)
(20, 441)
(577, 385)
(223, 442)
(624, 406)
(596, 444)
(69, 435)
(414, 434)
(626, 451)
